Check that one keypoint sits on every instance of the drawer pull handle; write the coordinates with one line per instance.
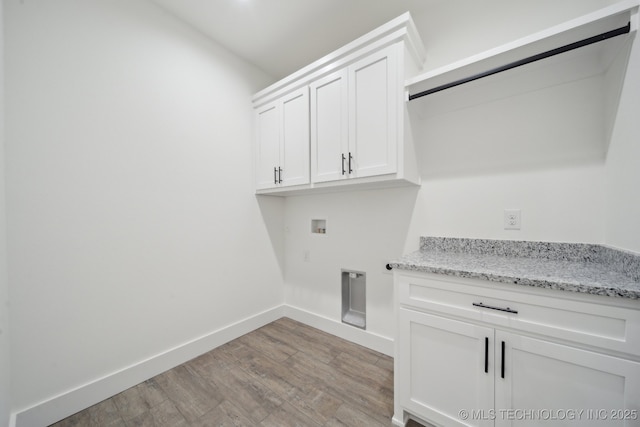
(486, 355)
(507, 310)
(502, 367)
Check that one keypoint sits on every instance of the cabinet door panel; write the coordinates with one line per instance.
(374, 97)
(267, 145)
(442, 368)
(294, 154)
(548, 379)
(329, 127)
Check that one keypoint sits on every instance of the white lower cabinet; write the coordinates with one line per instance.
(479, 368)
(442, 365)
(556, 382)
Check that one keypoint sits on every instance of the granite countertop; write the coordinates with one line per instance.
(575, 267)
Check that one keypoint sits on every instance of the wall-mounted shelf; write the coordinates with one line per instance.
(588, 61)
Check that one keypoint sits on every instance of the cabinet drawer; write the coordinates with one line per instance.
(559, 314)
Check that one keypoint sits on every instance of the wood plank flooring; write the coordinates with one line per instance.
(283, 374)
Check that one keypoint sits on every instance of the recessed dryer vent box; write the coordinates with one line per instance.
(354, 301)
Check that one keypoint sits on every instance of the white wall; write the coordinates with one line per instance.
(134, 228)
(5, 399)
(365, 230)
(623, 165)
(542, 152)
(129, 187)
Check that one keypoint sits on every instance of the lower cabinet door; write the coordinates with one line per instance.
(550, 384)
(446, 370)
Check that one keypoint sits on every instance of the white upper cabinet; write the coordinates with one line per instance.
(356, 121)
(294, 153)
(282, 146)
(329, 127)
(268, 146)
(375, 97)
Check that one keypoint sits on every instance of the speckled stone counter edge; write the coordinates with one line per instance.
(627, 263)
(538, 283)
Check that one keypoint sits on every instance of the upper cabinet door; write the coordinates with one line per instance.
(294, 145)
(374, 97)
(282, 141)
(329, 127)
(267, 145)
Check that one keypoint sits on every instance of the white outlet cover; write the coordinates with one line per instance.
(512, 219)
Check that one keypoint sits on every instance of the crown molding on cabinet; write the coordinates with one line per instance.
(401, 28)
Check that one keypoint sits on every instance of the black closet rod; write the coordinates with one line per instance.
(600, 37)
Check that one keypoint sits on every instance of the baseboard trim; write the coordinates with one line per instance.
(359, 336)
(70, 402)
(397, 421)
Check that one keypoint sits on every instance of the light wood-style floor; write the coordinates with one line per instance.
(283, 374)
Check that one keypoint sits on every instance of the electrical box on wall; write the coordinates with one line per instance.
(354, 301)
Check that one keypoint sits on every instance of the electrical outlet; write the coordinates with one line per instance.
(512, 219)
(307, 255)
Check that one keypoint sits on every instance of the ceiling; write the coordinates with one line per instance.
(282, 36)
